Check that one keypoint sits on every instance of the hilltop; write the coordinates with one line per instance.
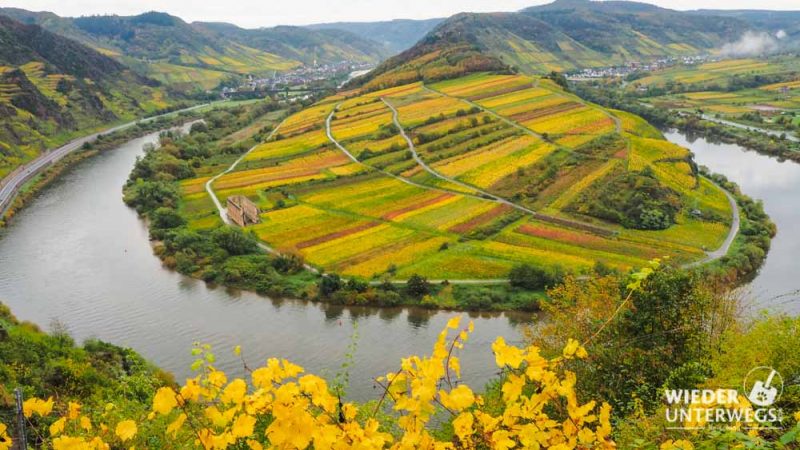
(300, 43)
(464, 179)
(397, 35)
(51, 86)
(190, 55)
(560, 36)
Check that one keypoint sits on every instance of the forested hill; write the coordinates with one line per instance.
(300, 43)
(192, 56)
(772, 22)
(564, 35)
(397, 35)
(51, 86)
(162, 47)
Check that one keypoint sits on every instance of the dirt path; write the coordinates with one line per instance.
(224, 215)
(487, 195)
(388, 174)
(428, 169)
(726, 245)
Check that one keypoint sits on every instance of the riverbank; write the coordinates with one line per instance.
(102, 281)
(695, 124)
(47, 166)
(48, 172)
(228, 256)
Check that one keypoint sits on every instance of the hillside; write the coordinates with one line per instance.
(397, 35)
(51, 87)
(464, 179)
(202, 55)
(561, 36)
(161, 46)
(301, 44)
(623, 31)
(766, 20)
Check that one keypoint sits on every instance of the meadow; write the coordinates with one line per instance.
(501, 173)
(765, 92)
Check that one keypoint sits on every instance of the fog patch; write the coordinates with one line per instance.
(754, 43)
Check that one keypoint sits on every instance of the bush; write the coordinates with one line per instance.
(526, 276)
(417, 286)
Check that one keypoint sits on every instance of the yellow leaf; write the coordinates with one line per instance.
(237, 350)
(453, 323)
(164, 401)
(243, 426)
(677, 445)
(176, 425)
(254, 445)
(512, 388)
(462, 425)
(586, 436)
(458, 399)
(74, 410)
(56, 427)
(5, 439)
(126, 430)
(234, 392)
(217, 378)
(191, 390)
(506, 355)
(38, 406)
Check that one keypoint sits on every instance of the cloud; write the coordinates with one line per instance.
(753, 44)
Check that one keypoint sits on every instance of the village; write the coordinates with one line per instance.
(305, 79)
(636, 66)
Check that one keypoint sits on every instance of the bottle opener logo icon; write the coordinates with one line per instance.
(764, 392)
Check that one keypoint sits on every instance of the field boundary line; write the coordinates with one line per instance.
(224, 216)
(583, 226)
(418, 159)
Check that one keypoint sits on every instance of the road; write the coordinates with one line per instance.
(427, 168)
(773, 133)
(14, 181)
(726, 245)
(221, 210)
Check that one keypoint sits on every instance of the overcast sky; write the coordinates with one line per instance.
(258, 13)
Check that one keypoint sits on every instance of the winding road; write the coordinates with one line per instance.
(16, 179)
(710, 256)
(418, 159)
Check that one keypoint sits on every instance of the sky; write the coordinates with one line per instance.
(264, 13)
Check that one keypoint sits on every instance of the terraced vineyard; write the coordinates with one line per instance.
(499, 170)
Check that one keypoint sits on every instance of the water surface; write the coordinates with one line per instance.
(777, 184)
(78, 255)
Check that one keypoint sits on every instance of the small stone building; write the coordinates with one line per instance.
(242, 211)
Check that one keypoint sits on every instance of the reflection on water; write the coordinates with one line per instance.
(80, 256)
(777, 184)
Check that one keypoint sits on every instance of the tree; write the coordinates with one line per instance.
(164, 217)
(234, 241)
(533, 278)
(417, 286)
(329, 285)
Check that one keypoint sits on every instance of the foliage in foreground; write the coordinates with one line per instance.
(537, 401)
(283, 408)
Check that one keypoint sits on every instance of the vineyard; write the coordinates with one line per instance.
(504, 169)
(728, 88)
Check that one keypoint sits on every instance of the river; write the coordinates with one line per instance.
(777, 184)
(78, 255)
